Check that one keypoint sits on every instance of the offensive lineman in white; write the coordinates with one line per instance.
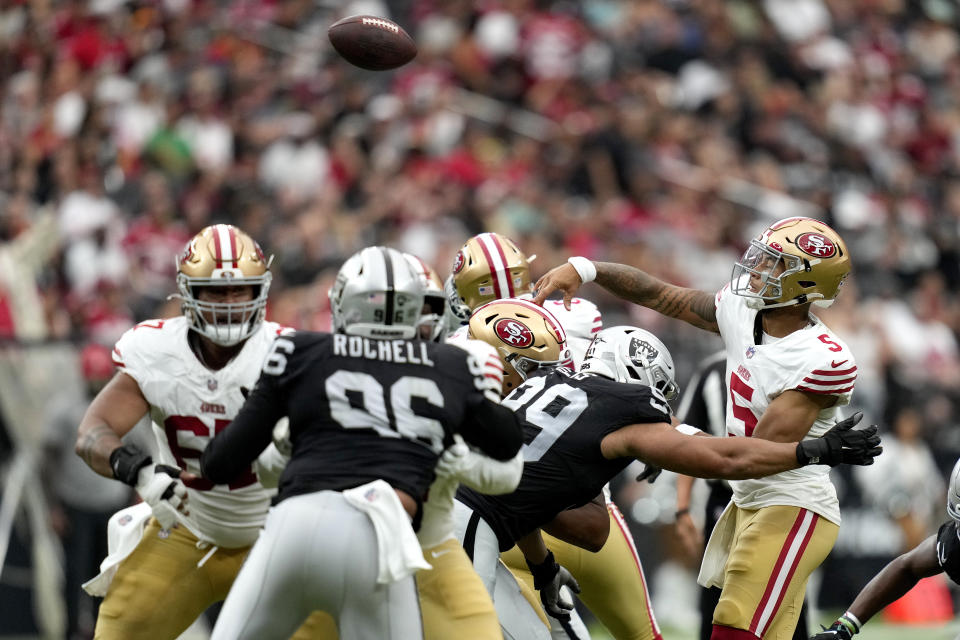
(491, 267)
(191, 373)
(788, 373)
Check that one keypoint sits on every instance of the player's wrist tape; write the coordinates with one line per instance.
(584, 267)
(126, 462)
(851, 622)
(544, 572)
(687, 429)
(681, 512)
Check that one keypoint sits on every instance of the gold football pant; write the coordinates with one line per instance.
(453, 601)
(158, 590)
(774, 551)
(612, 584)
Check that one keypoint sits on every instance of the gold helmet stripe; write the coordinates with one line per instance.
(497, 260)
(225, 245)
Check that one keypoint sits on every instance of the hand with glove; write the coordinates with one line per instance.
(844, 628)
(160, 486)
(548, 578)
(650, 473)
(842, 445)
(454, 460)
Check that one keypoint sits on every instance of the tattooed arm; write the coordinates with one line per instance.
(639, 287)
(114, 412)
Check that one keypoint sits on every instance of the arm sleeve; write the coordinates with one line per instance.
(493, 429)
(234, 448)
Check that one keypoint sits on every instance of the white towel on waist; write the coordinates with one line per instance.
(718, 549)
(398, 550)
(124, 531)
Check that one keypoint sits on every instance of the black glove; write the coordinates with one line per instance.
(548, 578)
(837, 631)
(842, 445)
(650, 473)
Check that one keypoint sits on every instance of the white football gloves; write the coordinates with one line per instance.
(160, 487)
(477, 471)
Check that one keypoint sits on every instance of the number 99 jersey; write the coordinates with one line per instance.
(189, 405)
(812, 360)
(564, 418)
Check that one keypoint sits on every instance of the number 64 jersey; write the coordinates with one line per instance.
(813, 360)
(189, 405)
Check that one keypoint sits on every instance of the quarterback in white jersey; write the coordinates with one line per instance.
(813, 360)
(787, 375)
(191, 375)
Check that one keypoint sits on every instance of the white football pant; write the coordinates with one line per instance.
(317, 552)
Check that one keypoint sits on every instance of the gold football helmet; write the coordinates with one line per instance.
(490, 267)
(525, 335)
(794, 261)
(223, 255)
(431, 325)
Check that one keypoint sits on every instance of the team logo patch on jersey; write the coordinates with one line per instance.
(513, 332)
(212, 384)
(458, 261)
(751, 351)
(816, 245)
(124, 520)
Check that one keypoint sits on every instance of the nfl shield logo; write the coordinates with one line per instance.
(750, 351)
(212, 384)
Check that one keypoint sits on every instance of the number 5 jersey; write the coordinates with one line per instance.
(189, 405)
(813, 360)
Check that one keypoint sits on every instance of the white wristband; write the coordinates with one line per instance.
(585, 268)
(687, 429)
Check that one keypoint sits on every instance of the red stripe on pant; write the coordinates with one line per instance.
(778, 568)
(625, 530)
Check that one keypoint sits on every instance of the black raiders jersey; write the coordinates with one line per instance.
(948, 550)
(362, 409)
(564, 418)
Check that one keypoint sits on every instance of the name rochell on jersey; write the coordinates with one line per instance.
(399, 351)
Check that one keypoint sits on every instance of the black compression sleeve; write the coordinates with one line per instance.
(493, 429)
(234, 448)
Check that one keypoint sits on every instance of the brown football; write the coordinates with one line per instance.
(373, 43)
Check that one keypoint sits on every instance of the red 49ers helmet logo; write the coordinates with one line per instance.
(187, 254)
(816, 245)
(513, 332)
(458, 261)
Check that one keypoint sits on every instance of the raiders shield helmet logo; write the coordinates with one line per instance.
(513, 332)
(642, 353)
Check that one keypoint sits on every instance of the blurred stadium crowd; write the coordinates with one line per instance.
(656, 133)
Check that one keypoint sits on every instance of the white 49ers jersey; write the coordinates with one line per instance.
(813, 360)
(189, 405)
(581, 323)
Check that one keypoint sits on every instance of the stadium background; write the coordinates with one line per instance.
(656, 133)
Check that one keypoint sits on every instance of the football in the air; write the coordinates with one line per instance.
(373, 43)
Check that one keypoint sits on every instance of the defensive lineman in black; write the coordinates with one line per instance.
(564, 416)
(370, 411)
(362, 409)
